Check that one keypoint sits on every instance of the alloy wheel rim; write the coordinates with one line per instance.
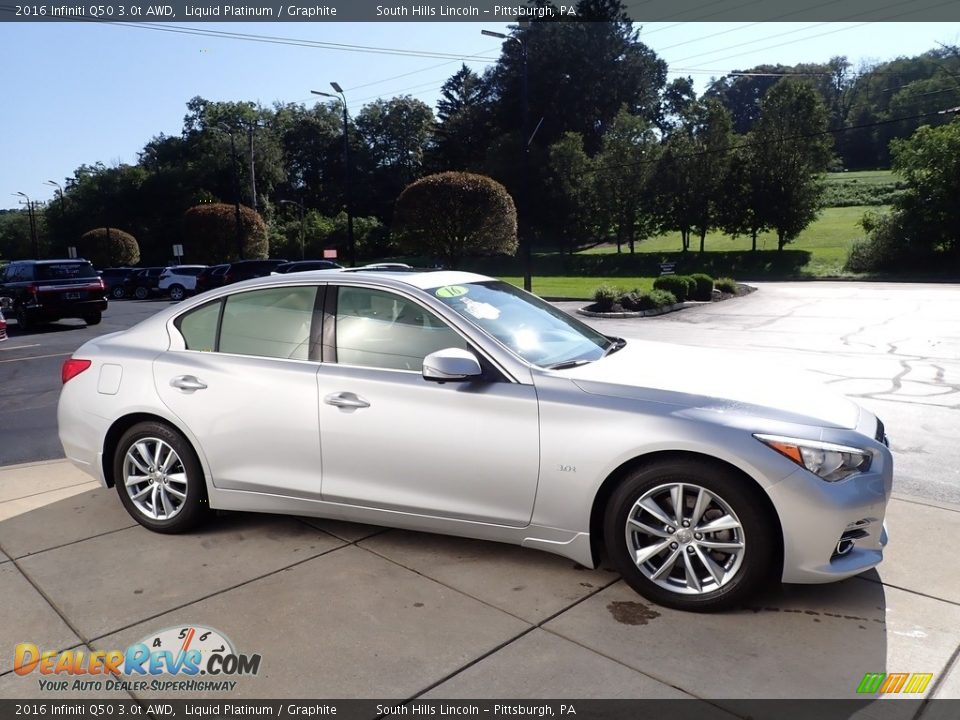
(155, 478)
(685, 538)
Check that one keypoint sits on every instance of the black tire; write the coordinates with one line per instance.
(177, 292)
(757, 527)
(194, 507)
(93, 318)
(141, 293)
(118, 292)
(24, 323)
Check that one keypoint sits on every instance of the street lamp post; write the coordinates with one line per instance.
(33, 223)
(59, 188)
(299, 205)
(525, 139)
(236, 186)
(346, 167)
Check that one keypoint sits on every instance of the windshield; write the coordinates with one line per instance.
(530, 327)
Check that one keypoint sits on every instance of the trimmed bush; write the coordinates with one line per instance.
(703, 286)
(632, 300)
(726, 285)
(680, 285)
(210, 233)
(109, 247)
(657, 299)
(605, 296)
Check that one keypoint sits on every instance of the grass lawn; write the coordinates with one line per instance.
(863, 177)
(579, 287)
(827, 239)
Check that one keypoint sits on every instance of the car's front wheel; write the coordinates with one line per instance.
(141, 293)
(177, 292)
(23, 320)
(93, 318)
(118, 292)
(159, 478)
(690, 535)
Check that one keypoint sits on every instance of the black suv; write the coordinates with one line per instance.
(47, 290)
(305, 266)
(143, 283)
(113, 280)
(246, 269)
(211, 277)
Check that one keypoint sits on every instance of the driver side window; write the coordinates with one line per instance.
(382, 330)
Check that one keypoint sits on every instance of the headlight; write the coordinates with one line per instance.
(830, 462)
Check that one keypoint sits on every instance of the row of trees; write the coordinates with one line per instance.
(611, 151)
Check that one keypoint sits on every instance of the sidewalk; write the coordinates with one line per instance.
(343, 610)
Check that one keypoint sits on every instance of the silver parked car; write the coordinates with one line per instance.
(453, 403)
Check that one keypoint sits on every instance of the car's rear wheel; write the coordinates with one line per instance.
(118, 292)
(690, 535)
(177, 292)
(141, 293)
(93, 318)
(24, 321)
(159, 478)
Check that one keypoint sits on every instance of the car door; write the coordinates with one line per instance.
(245, 386)
(392, 440)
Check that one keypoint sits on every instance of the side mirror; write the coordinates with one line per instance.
(451, 364)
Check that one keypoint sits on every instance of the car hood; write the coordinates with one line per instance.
(719, 380)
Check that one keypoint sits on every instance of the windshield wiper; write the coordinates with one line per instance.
(568, 364)
(617, 344)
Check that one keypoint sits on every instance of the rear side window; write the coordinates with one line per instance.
(199, 326)
(188, 271)
(65, 271)
(274, 323)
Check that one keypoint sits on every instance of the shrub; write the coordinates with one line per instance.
(726, 285)
(605, 296)
(210, 233)
(703, 286)
(680, 285)
(109, 247)
(454, 214)
(657, 299)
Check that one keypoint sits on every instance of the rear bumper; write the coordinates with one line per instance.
(56, 310)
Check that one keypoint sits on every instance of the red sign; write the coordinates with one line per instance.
(330, 254)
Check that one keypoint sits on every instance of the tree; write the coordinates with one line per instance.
(570, 187)
(929, 162)
(793, 150)
(394, 134)
(210, 233)
(741, 211)
(453, 214)
(461, 135)
(109, 247)
(623, 184)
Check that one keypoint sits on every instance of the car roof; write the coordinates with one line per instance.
(421, 279)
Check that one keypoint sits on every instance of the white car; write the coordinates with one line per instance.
(453, 403)
(178, 281)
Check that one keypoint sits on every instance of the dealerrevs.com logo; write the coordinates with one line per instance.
(190, 659)
(893, 683)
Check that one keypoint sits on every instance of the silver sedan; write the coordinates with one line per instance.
(452, 403)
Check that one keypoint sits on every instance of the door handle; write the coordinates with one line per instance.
(188, 383)
(346, 400)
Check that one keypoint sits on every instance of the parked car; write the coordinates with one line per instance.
(304, 266)
(143, 283)
(249, 269)
(211, 277)
(113, 280)
(454, 403)
(3, 326)
(42, 291)
(178, 281)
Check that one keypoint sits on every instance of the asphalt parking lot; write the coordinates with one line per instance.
(343, 610)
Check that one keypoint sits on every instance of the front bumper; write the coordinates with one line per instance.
(815, 515)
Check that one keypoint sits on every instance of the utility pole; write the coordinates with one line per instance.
(236, 187)
(34, 240)
(253, 170)
(348, 201)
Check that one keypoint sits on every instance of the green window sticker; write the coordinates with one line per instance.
(451, 291)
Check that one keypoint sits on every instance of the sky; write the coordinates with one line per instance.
(82, 93)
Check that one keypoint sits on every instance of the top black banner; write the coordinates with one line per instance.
(640, 11)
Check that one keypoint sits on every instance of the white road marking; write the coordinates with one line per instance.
(36, 357)
(19, 347)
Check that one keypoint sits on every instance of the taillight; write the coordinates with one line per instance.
(227, 278)
(33, 289)
(73, 367)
